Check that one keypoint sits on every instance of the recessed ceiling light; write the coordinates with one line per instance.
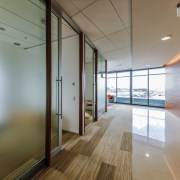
(147, 65)
(17, 44)
(147, 155)
(178, 10)
(165, 38)
(2, 29)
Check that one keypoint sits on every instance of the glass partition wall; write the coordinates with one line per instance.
(148, 87)
(89, 85)
(101, 85)
(22, 86)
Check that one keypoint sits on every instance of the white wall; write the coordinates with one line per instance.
(70, 92)
(89, 81)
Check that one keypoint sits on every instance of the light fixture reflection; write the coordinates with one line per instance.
(165, 38)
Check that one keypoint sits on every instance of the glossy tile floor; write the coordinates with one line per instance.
(130, 142)
(156, 144)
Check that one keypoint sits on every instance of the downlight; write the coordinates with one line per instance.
(17, 44)
(165, 38)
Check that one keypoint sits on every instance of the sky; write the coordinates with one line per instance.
(156, 82)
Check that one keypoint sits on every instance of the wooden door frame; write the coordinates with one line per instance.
(96, 83)
(81, 83)
(105, 85)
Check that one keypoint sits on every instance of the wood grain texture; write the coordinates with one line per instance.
(106, 172)
(126, 143)
(103, 152)
(172, 88)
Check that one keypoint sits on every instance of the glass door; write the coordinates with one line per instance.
(89, 85)
(56, 122)
(22, 86)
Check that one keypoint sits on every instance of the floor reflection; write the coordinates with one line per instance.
(149, 123)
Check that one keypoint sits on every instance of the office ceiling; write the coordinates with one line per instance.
(107, 23)
(153, 20)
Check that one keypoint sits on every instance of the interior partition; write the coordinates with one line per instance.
(89, 85)
(172, 87)
(22, 86)
(70, 79)
(101, 84)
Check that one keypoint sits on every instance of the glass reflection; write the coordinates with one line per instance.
(22, 86)
(149, 123)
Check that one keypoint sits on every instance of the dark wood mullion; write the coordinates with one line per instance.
(81, 83)
(48, 84)
(105, 85)
(96, 84)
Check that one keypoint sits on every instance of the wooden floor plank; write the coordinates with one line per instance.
(126, 143)
(106, 172)
(103, 152)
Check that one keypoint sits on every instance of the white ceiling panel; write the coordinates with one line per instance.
(26, 38)
(19, 8)
(12, 40)
(121, 54)
(123, 7)
(104, 45)
(118, 65)
(121, 39)
(87, 27)
(20, 24)
(81, 4)
(103, 15)
(68, 7)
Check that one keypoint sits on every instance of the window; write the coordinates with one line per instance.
(123, 87)
(111, 86)
(157, 87)
(140, 87)
(148, 87)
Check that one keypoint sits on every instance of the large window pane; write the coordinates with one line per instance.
(22, 86)
(111, 75)
(157, 90)
(140, 90)
(157, 71)
(140, 73)
(111, 89)
(123, 90)
(123, 74)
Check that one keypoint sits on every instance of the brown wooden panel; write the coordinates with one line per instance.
(48, 84)
(96, 82)
(81, 83)
(173, 88)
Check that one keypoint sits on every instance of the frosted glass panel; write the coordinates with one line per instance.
(101, 85)
(55, 85)
(22, 86)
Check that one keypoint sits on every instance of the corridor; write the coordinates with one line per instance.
(129, 142)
